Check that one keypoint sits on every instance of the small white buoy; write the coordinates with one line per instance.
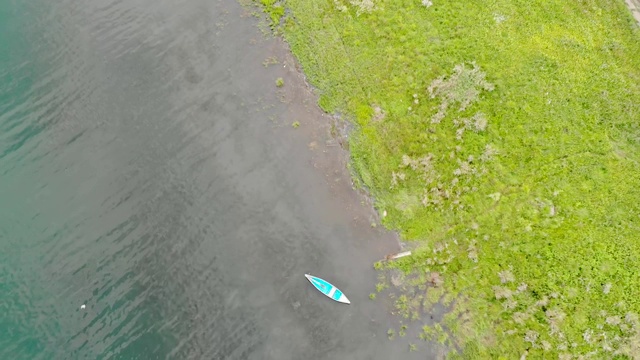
(82, 307)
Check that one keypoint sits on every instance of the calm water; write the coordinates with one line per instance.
(145, 171)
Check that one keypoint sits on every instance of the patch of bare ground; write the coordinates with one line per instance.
(634, 6)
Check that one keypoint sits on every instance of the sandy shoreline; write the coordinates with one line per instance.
(322, 140)
(326, 139)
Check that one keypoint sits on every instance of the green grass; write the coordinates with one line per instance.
(504, 138)
(274, 9)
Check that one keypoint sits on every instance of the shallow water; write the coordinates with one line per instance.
(148, 170)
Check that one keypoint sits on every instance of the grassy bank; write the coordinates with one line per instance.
(504, 138)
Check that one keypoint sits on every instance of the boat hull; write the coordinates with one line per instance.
(328, 289)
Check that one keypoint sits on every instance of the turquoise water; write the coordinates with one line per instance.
(77, 173)
(148, 171)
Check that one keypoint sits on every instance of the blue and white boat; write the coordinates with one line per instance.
(328, 289)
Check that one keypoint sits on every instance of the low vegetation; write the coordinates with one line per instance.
(503, 139)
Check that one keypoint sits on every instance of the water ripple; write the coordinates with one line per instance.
(142, 177)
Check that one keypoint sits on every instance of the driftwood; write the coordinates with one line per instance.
(397, 255)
